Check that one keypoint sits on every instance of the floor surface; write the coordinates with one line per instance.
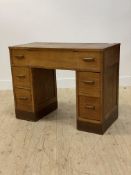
(53, 145)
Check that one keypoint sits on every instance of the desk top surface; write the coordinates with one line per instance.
(69, 46)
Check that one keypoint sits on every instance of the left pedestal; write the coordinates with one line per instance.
(35, 92)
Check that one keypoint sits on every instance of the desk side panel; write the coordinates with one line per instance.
(111, 81)
(44, 87)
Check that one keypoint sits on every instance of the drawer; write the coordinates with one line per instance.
(89, 83)
(21, 76)
(89, 108)
(23, 99)
(19, 57)
(52, 59)
(91, 61)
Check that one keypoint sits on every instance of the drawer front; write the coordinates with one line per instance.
(89, 108)
(19, 58)
(91, 61)
(52, 59)
(89, 83)
(23, 99)
(21, 76)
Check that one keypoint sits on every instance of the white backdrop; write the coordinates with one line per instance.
(23, 21)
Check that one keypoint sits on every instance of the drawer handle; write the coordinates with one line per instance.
(20, 76)
(19, 56)
(89, 82)
(23, 98)
(90, 107)
(89, 59)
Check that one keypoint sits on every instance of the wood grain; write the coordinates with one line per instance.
(64, 46)
(97, 80)
(19, 57)
(89, 83)
(21, 77)
(89, 108)
(52, 59)
(90, 61)
(111, 79)
(44, 87)
(50, 145)
(23, 99)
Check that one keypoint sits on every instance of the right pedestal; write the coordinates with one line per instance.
(97, 94)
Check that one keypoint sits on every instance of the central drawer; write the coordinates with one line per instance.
(52, 59)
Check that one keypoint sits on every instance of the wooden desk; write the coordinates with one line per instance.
(97, 73)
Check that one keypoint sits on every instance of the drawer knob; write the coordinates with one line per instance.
(20, 76)
(19, 56)
(90, 107)
(89, 82)
(23, 98)
(88, 59)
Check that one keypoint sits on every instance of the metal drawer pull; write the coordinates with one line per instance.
(89, 59)
(19, 56)
(20, 76)
(90, 107)
(89, 82)
(23, 98)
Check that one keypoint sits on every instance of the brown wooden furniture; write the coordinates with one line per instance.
(97, 75)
